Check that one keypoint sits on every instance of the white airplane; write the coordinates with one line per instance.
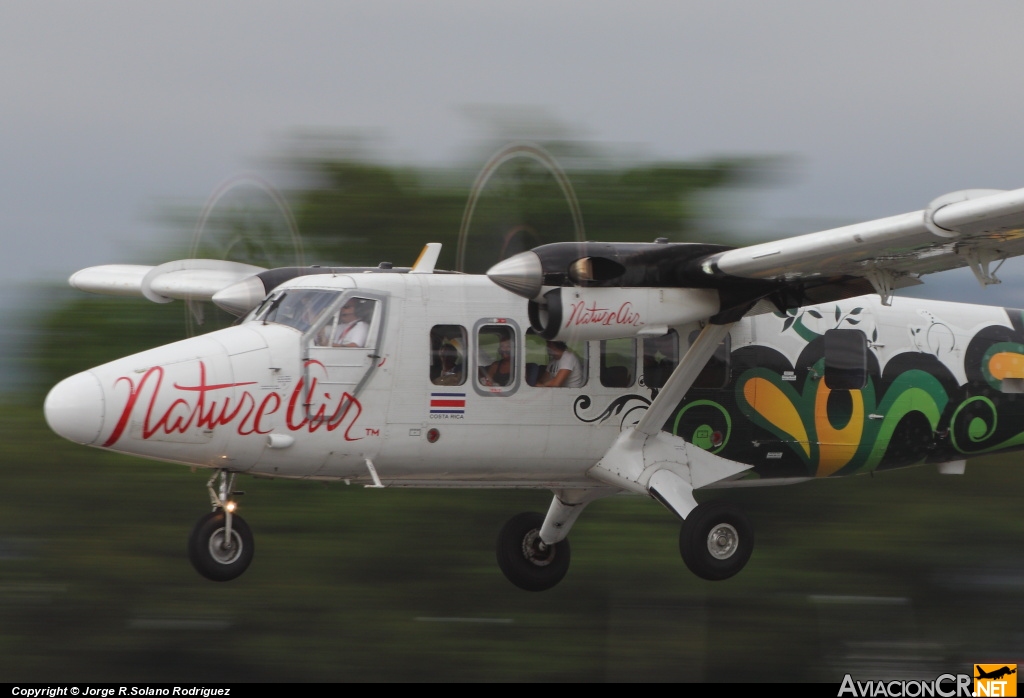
(655, 368)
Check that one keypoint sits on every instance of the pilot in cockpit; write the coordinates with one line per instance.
(352, 330)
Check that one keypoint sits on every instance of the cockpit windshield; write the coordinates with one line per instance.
(298, 308)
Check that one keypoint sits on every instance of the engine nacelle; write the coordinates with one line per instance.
(605, 265)
(576, 314)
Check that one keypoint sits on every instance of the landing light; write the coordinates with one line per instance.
(230, 507)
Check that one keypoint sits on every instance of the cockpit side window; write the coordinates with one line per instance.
(298, 308)
(349, 325)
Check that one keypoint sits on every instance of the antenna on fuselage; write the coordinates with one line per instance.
(427, 259)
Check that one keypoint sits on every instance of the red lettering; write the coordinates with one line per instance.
(309, 408)
(580, 314)
(133, 396)
(265, 409)
(206, 406)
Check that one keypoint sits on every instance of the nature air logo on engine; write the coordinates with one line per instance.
(995, 679)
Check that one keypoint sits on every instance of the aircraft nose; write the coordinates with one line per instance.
(74, 408)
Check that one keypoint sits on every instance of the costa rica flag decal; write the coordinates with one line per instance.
(447, 403)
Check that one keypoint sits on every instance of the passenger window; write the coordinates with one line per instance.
(715, 373)
(618, 362)
(846, 359)
(661, 354)
(496, 356)
(544, 359)
(448, 355)
(536, 357)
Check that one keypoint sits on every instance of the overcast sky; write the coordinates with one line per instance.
(112, 109)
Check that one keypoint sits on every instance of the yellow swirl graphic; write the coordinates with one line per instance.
(772, 404)
(836, 447)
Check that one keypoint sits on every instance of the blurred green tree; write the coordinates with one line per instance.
(352, 211)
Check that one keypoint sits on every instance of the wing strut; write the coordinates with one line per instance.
(883, 281)
(650, 461)
(678, 384)
(980, 260)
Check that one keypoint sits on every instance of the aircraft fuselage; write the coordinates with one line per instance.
(836, 389)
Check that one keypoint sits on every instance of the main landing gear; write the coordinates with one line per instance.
(526, 560)
(716, 540)
(221, 544)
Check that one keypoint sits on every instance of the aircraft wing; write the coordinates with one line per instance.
(234, 287)
(186, 279)
(976, 228)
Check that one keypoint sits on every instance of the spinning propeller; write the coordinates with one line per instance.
(521, 199)
(245, 221)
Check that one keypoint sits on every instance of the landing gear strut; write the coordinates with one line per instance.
(221, 545)
(525, 559)
(716, 540)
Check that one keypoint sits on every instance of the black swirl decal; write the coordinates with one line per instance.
(614, 408)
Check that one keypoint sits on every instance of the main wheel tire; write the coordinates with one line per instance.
(716, 540)
(209, 555)
(523, 557)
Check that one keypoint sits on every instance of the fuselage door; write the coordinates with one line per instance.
(341, 350)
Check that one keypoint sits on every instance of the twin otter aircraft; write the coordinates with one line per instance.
(587, 369)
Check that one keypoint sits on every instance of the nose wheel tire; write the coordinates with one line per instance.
(716, 540)
(525, 559)
(215, 555)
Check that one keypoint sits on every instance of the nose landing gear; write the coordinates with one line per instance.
(221, 546)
